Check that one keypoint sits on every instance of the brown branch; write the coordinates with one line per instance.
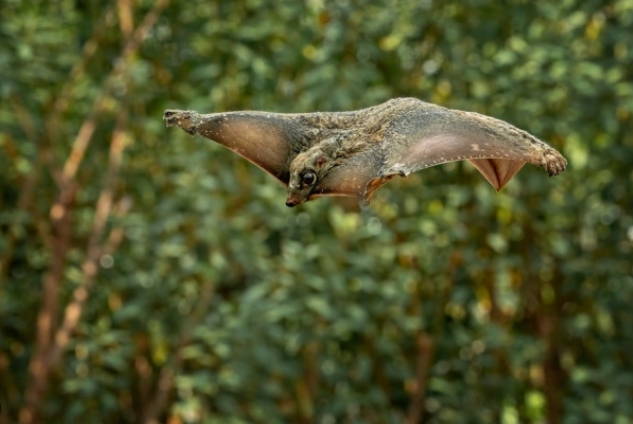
(62, 100)
(80, 144)
(424, 341)
(143, 29)
(378, 372)
(163, 388)
(47, 353)
(27, 187)
(10, 394)
(311, 368)
(305, 403)
(418, 389)
(73, 310)
(126, 22)
(144, 372)
(167, 373)
(545, 315)
(554, 375)
(38, 367)
(96, 249)
(87, 129)
(23, 117)
(306, 386)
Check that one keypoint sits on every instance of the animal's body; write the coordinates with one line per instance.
(354, 153)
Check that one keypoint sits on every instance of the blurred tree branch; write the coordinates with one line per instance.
(48, 350)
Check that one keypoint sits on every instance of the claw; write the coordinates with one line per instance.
(181, 118)
(553, 162)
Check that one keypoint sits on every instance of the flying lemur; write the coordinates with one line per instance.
(354, 153)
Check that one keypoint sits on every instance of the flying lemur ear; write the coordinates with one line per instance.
(321, 160)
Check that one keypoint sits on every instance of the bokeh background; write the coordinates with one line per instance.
(147, 276)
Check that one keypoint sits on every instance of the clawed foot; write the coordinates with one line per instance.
(554, 162)
(184, 119)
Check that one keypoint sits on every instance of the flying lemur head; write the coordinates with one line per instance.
(306, 171)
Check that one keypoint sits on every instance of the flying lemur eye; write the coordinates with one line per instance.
(308, 178)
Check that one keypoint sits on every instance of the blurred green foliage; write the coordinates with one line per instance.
(214, 303)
